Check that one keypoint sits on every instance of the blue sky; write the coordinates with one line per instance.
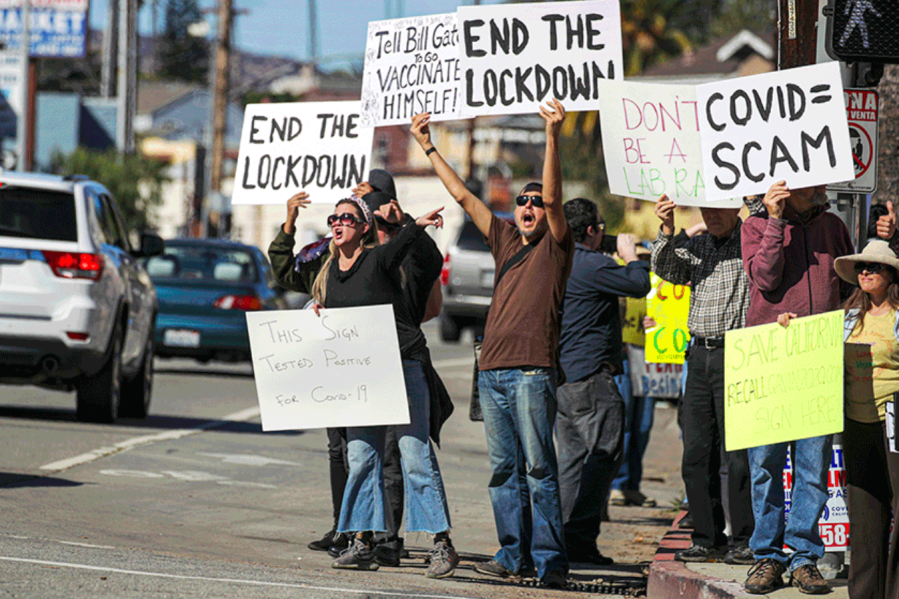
(280, 27)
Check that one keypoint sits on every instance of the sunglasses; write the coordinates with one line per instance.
(872, 267)
(346, 219)
(536, 201)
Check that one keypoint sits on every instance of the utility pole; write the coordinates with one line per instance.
(220, 98)
(110, 39)
(797, 33)
(126, 91)
(472, 125)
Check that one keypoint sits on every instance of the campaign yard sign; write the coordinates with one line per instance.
(411, 66)
(341, 368)
(787, 125)
(651, 143)
(833, 525)
(517, 56)
(783, 383)
(317, 147)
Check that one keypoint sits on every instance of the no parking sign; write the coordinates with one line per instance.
(862, 113)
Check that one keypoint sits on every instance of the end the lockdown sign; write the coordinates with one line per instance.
(783, 384)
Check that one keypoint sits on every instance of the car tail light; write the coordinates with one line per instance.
(238, 302)
(444, 274)
(73, 265)
(74, 336)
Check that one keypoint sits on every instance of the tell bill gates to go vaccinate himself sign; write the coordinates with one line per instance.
(341, 368)
(517, 56)
(317, 147)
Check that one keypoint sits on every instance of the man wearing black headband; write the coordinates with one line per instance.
(518, 372)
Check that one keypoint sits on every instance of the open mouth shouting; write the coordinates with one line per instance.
(528, 219)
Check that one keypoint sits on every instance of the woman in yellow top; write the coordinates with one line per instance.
(871, 333)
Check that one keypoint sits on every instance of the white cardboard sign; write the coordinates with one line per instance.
(517, 56)
(788, 125)
(411, 66)
(317, 147)
(651, 143)
(342, 368)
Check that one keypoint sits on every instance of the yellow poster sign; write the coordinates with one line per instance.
(783, 384)
(669, 306)
(632, 327)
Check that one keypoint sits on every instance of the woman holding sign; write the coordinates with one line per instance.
(359, 272)
(871, 334)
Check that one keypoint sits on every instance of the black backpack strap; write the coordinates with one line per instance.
(518, 257)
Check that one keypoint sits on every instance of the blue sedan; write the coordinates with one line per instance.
(205, 287)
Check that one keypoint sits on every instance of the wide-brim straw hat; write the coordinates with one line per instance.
(877, 250)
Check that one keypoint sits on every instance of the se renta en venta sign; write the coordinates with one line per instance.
(317, 147)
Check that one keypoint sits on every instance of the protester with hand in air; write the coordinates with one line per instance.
(359, 272)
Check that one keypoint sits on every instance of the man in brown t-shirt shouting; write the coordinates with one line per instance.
(517, 378)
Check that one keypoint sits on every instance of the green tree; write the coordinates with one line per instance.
(737, 15)
(181, 55)
(134, 181)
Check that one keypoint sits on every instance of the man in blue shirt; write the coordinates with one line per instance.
(590, 421)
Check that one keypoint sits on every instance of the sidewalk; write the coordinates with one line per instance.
(669, 578)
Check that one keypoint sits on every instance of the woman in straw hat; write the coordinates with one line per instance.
(871, 333)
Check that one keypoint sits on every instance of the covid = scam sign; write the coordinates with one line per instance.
(516, 56)
(669, 306)
(652, 145)
(317, 147)
(787, 125)
(783, 383)
(411, 66)
(833, 526)
(342, 368)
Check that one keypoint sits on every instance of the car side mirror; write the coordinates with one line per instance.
(151, 245)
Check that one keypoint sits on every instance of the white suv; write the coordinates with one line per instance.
(77, 309)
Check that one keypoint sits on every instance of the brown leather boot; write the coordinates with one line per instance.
(765, 576)
(809, 580)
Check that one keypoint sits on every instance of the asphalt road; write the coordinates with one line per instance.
(196, 501)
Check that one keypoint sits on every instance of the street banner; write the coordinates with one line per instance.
(653, 380)
(651, 143)
(411, 66)
(55, 31)
(833, 525)
(783, 383)
(669, 306)
(786, 125)
(517, 56)
(317, 147)
(342, 368)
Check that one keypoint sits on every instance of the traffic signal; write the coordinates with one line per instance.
(863, 30)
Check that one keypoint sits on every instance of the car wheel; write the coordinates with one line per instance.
(100, 395)
(449, 328)
(137, 392)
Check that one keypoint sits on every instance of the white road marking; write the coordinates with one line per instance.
(249, 460)
(103, 452)
(227, 580)
(88, 545)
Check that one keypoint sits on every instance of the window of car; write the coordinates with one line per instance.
(203, 263)
(37, 214)
(470, 238)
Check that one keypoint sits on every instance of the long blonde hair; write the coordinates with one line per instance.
(369, 240)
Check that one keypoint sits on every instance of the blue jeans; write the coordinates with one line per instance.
(638, 418)
(519, 409)
(811, 462)
(363, 500)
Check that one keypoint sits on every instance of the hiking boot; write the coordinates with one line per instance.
(698, 553)
(765, 575)
(358, 556)
(740, 555)
(809, 580)
(554, 580)
(444, 560)
(325, 542)
(339, 543)
(493, 568)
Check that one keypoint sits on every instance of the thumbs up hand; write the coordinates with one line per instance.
(886, 224)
